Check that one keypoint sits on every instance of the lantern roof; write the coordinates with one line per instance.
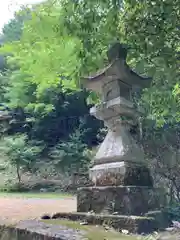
(117, 69)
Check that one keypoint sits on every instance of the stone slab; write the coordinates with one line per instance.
(131, 200)
(134, 224)
(121, 173)
(35, 230)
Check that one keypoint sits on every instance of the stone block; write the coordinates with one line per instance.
(161, 218)
(131, 200)
(121, 173)
(35, 230)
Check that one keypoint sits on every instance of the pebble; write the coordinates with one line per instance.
(83, 223)
(124, 231)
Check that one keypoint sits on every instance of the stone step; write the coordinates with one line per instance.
(134, 224)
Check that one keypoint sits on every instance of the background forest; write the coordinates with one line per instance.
(46, 49)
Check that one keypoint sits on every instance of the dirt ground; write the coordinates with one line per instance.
(16, 209)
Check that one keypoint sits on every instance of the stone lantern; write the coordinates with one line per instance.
(122, 180)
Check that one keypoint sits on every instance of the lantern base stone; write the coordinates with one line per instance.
(121, 200)
(124, 173)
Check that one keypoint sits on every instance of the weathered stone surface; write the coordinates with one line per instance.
(34, 230)
(121, 173)
(161, 218)
(119, 150)
(131, 200)
(133, 224)
(116, 70)
(119, 146)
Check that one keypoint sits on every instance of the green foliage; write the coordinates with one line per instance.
(95, 24)
(44, 57)
(69, 113)
(20, 153)
(173, 212)
(71, 155)
(151, 30)
(19, 90)
(60, 44)
(3, 86)
(162, 149)
(12, 30)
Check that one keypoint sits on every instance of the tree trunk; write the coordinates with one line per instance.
(18, 173)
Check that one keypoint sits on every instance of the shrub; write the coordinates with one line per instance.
(20, 153)
(72, 155)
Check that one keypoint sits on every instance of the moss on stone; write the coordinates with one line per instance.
(133, 224)
(92, 232)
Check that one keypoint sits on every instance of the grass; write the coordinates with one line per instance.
(93, 232)
(39, 195)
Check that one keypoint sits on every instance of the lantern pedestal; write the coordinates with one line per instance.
(119, 200)
(121, 174)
